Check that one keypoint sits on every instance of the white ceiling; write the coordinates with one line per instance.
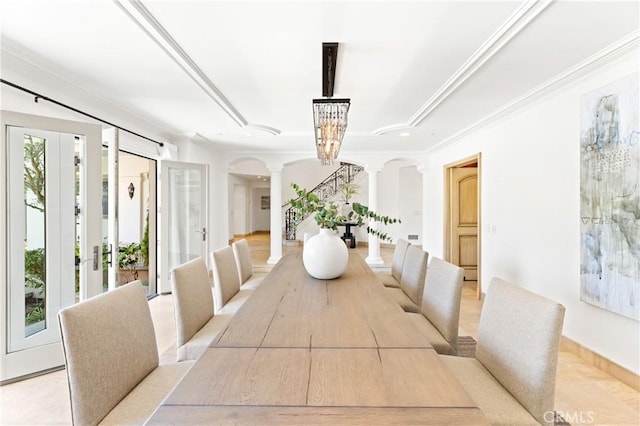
(235, 72)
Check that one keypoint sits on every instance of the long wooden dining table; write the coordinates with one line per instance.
(306, 351)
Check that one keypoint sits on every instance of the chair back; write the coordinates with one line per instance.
(518, 341)
(398, 258)
(109, 347)
(414, 270)
(242, 254)
(192, 298)
(226, 282)
(441, 298)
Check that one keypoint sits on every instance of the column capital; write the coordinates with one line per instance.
(424, 169)
(275, 169)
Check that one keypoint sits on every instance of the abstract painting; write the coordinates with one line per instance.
(610, 197)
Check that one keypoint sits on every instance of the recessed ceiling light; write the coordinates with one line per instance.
(405, 134)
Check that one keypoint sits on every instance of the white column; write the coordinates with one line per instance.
(276, 215)
(374, 243)
(425, 185)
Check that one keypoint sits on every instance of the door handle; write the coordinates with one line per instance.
(204, 234)
(109, 254)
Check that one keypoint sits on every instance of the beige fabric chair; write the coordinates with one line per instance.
(228, 297)
(196, 325)
(513, 375)
(112, 358)
(414, 269)
(440, 311)
(393, 279)
(248, 278)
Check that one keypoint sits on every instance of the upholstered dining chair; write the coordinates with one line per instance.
(196, 324)
(513, 376)
(414, 269)
(248, 278)
(440, 311)
(227, 294)
(393, 279)
(111, 358)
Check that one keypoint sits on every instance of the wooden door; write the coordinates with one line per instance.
(464, 220)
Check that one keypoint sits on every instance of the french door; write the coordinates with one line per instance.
(49, 258)
(182, 208)
(129, 216)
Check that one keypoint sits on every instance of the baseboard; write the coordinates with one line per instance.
(627, 377)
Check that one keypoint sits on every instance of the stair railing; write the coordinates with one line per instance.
(325, 190)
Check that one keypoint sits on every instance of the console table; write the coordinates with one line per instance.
(348, 235)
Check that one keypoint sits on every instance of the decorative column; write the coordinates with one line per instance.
(276, 215)
(424, 170)
(374, 243)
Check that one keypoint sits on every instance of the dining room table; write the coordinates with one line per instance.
(305, 351)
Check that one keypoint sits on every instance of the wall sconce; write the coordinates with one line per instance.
(132, 189)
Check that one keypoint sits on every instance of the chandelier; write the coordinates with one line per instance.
(329, 115)
(330, 123)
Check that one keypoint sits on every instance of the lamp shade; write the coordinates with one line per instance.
(330, 123)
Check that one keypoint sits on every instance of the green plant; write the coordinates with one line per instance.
(33, 315)
(129, 256)
(34, 268)
(144, 244)
(326, 213)
(349, 190)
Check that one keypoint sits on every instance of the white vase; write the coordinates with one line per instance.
(325, 256)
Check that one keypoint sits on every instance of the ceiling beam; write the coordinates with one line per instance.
(329, 61)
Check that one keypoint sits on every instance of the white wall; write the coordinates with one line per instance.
(218, 209)
(133, 169)
(530, 209)
(307, 174)
(260, 218)
(409, 204)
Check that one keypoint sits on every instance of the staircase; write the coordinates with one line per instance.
(325, 190)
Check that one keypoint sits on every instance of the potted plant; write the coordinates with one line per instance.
(129, 256)
(348, 191)
(325, 255)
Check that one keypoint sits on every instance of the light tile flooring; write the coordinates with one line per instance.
(584, 394)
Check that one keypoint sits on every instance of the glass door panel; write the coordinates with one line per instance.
(183, 216)
(136, 225)
(49, 209)
(41, 234)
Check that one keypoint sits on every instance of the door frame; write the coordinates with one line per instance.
(448, 230)
(14, 366)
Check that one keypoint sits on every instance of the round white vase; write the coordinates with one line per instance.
(325, 255)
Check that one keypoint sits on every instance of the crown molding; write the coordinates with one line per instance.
(600, 58)
(141, 16)
(509, 29)
(394, 128)
(266, 129)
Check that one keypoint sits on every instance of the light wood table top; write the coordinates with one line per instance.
(307, 351)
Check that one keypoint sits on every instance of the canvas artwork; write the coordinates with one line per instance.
(265, 202)
(610, 197)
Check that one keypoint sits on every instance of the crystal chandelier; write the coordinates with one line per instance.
(330, 123)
